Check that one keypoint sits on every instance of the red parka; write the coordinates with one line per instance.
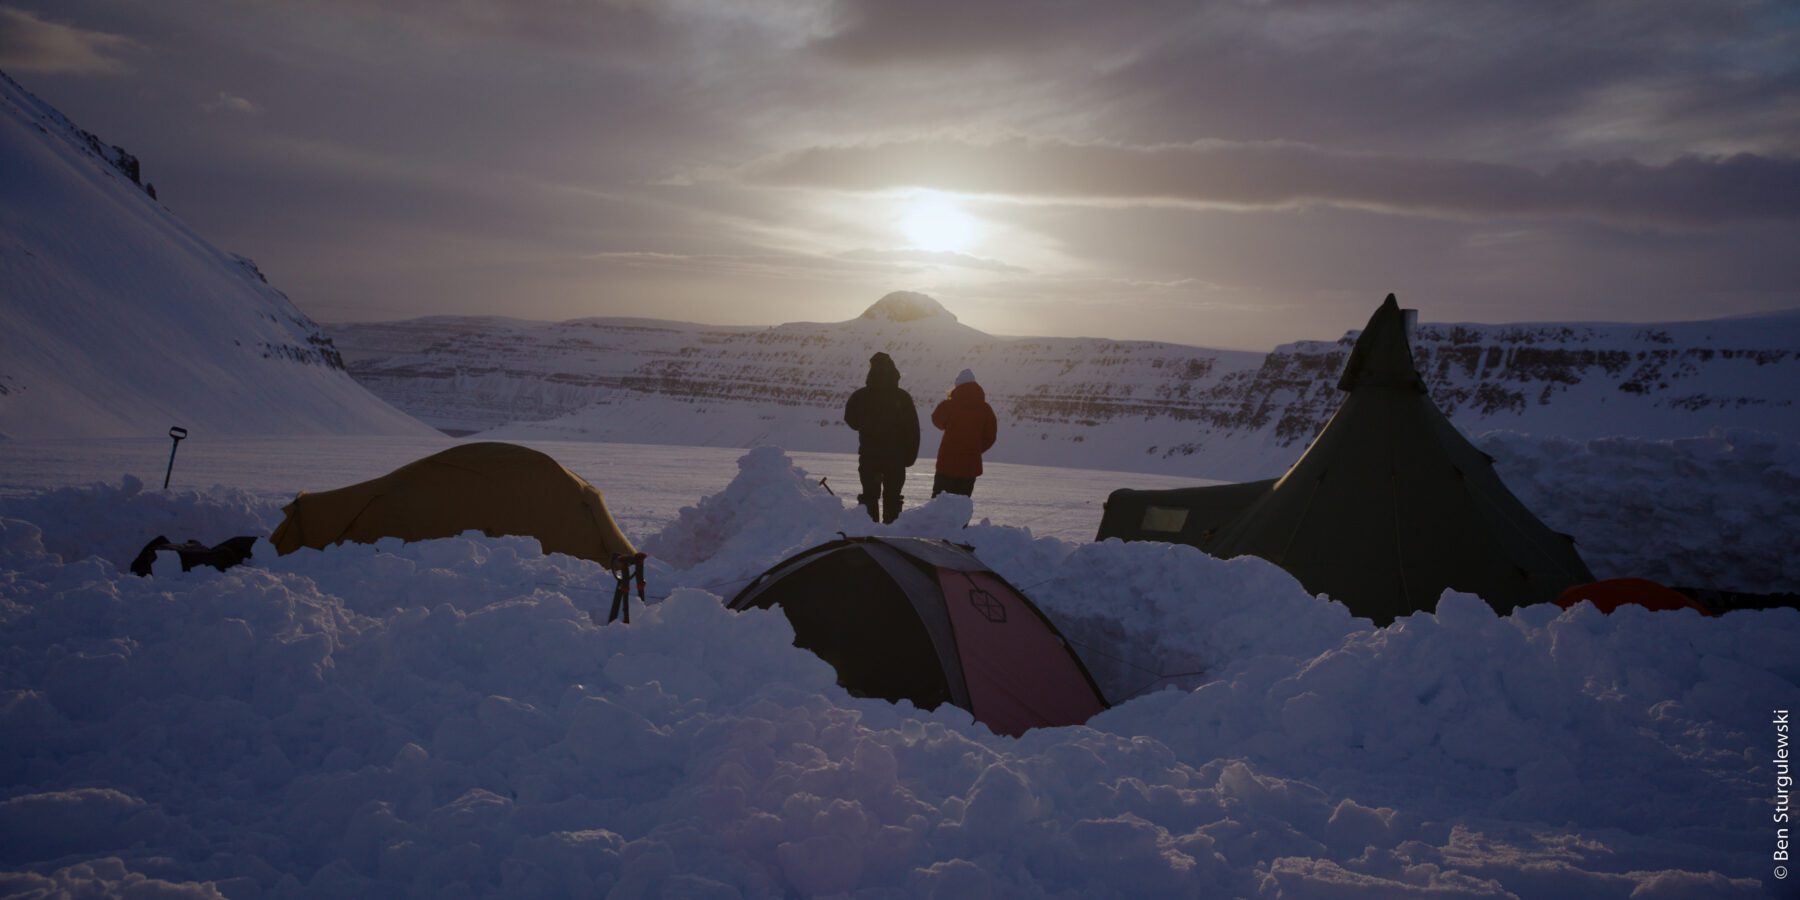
(969, 430)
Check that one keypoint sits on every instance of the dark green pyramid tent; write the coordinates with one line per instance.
(1387, 508)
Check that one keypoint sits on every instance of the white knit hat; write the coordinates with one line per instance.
(964, 377)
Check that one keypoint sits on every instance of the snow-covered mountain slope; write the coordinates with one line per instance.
(1083, 402)
(120, 320)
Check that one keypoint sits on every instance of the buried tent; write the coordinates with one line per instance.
(494, 488)
(1387, 508)
(925, 621)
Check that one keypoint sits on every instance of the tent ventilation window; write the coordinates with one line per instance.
(1164, 519)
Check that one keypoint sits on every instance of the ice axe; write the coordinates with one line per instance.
(623, 568)
(177, 432)
(827, 487)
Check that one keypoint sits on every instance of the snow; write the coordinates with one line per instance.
(645, 485)
(443, 718)
(1717, 511)
(121, 320)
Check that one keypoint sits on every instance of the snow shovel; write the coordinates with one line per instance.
(177, 432)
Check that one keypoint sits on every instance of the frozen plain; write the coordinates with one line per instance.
(644, 484)
(443, 718)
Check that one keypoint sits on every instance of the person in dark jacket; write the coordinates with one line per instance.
(887, 437)
(969, 430)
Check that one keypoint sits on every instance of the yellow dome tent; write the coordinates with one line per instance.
(497, 489)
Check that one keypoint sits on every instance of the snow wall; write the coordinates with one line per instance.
(443, 718)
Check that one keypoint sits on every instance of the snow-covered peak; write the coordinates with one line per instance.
(907, 306)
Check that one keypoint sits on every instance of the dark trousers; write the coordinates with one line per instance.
(950, 484)
(881, 489)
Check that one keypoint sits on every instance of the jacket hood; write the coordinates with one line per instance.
(967, 391)
(882, 371)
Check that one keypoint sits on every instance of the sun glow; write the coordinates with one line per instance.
(935, 222)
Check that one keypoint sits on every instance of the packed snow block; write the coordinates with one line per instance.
(951, 878)
(1129, 854)
(32, 726)
(516, 721)
(1323, 878)
(821, 864)
(20, 540)
(1705, 512)
(111, 520)
(1000, 802)
(37, 827)
(1354, 827)
(89, 685)
(773, 509)
(109, 877)
(471, 818)
(767, 510)
(616, 740)
(1164, 608)
(1546, 752)
(567, 863)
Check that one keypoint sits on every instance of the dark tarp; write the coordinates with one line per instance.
(221, 556)
(1181, 516)
(1387, 508)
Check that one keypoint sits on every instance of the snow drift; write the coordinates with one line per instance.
(1716, 511)
(120, 320)
(442, 718)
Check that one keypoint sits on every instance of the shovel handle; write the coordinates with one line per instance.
(177, 432)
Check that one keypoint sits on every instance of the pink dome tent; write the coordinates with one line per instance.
(925, 621)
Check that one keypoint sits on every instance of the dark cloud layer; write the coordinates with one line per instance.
(29, 43)
(1485, 77)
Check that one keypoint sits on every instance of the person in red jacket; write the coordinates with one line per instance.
(969, 430)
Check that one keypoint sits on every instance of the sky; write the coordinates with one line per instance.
(1232, 174)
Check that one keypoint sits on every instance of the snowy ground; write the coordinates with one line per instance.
(644, 484)
(443, 718)
(1720, 511)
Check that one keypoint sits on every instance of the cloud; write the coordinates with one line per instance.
(230, 102)
(1690, 190)
(633, 28)
(760, 263)
(933, 31)
(31, 44)
(432, 157)
(1506, 79)
(933, 258)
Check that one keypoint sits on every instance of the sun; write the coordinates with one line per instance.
(935, 222)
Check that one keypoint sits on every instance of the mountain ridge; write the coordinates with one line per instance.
(1084, 402)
